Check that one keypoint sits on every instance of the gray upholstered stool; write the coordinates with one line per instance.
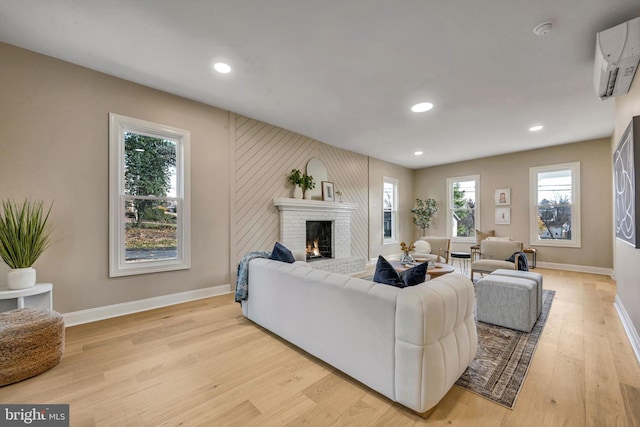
(31, 341)
(536, 277)
(507, 301)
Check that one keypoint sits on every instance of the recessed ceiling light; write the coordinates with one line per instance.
(221, 67)
(418, 153)
(536, 128)
(421, 107)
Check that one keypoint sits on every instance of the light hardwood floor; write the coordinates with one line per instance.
(203, 363)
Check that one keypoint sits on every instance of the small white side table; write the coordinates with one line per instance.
(39, 296)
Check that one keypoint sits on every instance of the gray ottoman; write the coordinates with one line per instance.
(536, 277)
(511, 302)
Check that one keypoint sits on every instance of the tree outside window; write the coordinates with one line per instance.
(555, 205)
(463, 207)
(150, 169)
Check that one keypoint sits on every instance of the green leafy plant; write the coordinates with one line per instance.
(423, 213)
(24, 232)
(295, 177)
(308, 182)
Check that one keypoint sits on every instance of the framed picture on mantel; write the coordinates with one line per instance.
(327, 191)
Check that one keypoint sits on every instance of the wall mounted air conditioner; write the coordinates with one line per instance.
(617, 57)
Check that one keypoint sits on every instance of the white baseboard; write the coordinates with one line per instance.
(115, 310)
(632, 334)
(578, 268)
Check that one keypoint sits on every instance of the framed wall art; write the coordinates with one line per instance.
(503, 216)
(626, 181)
(503, 197)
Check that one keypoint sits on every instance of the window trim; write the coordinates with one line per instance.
(394, 211)
(576, 238)
(118, 125)
(450, 182)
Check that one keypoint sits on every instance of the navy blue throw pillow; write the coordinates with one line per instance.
(281, 253)
(416, 275)
(386, 274)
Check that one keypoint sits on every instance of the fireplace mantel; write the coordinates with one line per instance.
(284, 204)
(294, 214)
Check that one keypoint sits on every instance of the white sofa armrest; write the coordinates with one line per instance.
(436, 339)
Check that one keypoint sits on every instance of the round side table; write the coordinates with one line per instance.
(38, 296)
(463, 259)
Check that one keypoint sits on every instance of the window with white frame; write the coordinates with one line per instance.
(463, 195)
(149, 221)
(389, 210)
(555, 205)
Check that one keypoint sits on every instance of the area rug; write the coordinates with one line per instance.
(503, 359)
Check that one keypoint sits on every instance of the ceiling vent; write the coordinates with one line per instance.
(617, 57)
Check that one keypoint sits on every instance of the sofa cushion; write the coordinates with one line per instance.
(387, 274)
(281, 253)
(415, 275)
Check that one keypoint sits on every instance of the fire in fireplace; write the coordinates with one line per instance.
(319, 240)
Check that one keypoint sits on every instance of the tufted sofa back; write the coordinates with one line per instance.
(409, 344)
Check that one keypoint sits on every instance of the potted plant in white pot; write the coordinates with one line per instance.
(295, 178)
(24, 235)
(308, 184)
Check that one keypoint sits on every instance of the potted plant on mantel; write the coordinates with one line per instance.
(308, 184)
(24, 236)
(423, 213)
(295, 178)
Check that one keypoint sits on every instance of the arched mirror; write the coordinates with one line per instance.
(318, 171)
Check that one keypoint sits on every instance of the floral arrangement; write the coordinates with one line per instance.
(407, 248)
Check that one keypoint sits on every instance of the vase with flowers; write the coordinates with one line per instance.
(406, 252)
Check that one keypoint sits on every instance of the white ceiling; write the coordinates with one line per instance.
(346, 72)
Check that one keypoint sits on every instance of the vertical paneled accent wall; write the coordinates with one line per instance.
(263, 157)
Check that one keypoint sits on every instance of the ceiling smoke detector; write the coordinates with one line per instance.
(542, 29)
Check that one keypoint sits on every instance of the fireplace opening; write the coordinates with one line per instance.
(319, 240)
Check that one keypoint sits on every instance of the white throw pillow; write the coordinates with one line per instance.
(422, 246)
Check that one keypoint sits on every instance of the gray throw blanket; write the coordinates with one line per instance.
(242, 281)
(523, 264)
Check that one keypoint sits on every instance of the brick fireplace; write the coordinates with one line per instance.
(294, 214)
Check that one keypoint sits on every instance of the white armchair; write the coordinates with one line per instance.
(493, 255)
(438, 249)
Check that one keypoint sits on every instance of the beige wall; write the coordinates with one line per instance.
(378, 170)
(627, 258)
(54, 147)
(512, 171)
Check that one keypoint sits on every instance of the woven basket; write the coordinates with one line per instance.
(31, 342)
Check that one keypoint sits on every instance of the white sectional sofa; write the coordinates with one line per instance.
(409, 344)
